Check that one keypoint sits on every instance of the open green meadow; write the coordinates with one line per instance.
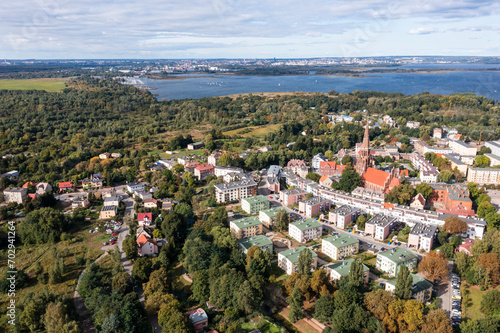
(47, 84)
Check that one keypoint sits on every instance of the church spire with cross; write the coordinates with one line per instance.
(364, 158)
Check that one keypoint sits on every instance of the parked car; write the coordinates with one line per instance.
(382, 249)
(113, 242)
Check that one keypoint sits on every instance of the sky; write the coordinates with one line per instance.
(180, 29)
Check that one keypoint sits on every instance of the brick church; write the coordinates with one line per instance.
(374, 179)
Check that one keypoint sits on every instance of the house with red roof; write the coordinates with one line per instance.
(331, 168)
(150, 203)
(28, 184)
(202, 171)
(199, 319)
(326, 181)
(146, 246)
(418, 202)
(379, 180)
(466, 246)
(145, 219)
(65, 186)
(404, 173)
(459, 209)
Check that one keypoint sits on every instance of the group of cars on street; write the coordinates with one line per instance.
(456, 300)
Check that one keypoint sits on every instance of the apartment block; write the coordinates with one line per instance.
(421, 289)
(246, 227)
(292, 196)
(15, 194)
(379, 226)
(340, 246)
(268, 216)
(483, 176)
(260, 241)
(235, 190)
(288, 260)
(304, 231)
(253, 205)
(391, 261)
(314, 206)
(337, 270)
(343, 215)
(422, 236)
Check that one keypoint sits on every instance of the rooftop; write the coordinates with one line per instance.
(259, 241)
(341, 240)
(293, 254)
(398, 255)
(107, 208)
(307, 224)
(235, 185)
(246, 222)
(419, 284)
(314, 200)
(381, 220)
(256, 199)
(423, 230)
(271, 212)
(294, 191)
(345, 210)
(344, 267)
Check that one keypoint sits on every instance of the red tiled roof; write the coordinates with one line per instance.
(204, 167)
(404, 172)
(65, 184)
(420, 198)
(143, 239)
(27, 184)
(394, 182)
(375, 176)
(458, 210)
(323, 178)
(388, 205)
(143, 216)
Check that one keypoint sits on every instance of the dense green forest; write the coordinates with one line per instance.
(53, 136)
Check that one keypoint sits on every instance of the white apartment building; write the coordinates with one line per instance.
(304, 231)
(494, 146)
(221, 171)
(340, 246)
(390, 261)
(235, 190)
(483, 176)
(344, 215)
(316, 161)
(15, 194)
(288, 260)
(461, 148)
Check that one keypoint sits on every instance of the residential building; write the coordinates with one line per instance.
(235, 190)
(246, 227)
(494, 146)
(116, 155)
(143, 195)
(461, 148)
(413, 124)
(95, 181)
(15, 194)
(381, 181)
(108, 192)
(80, 202)
(199, 319)
(421, 289)
(104, 156)
(214, 157)
(135, 186)
(292, 196)
(367, 194)
(288, 260)
(483, 176)
(146, 246)
(314, 206)
(112, 201)
(466, 246)
(166, 204)
(316, 161)
(297, 167)
(423, 148)
(10, 175)
(236, 176)
(456, 162)
(418, 201)
(379, 226)
(143, 230)
(221, 171)
(326, 181)
(267, 216)
(145, 219)
(390, 261)
(65, 186)
(331, 169)
(340, 246)
(189, 166)
(343, 215)
(253, 205)
(260, 241)
(341, 269)
(202, 171)
(150, 203)
(437, 133)
(422, 236)
(306, 230)
(168, 164)
(107, 212)
(42, 188)
(448, 196)
(195, 145)
(274, 171)
(494, 159)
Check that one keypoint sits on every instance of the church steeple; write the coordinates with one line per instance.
(364, 158)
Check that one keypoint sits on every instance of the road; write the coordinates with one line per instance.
(445, 292)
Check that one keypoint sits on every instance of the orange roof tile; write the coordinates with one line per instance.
(375, 176)
(143, 239)
(323, 178)
(404, 172)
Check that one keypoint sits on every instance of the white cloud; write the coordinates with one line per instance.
(422, 31)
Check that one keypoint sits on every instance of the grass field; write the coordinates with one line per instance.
(263, 325)
(471, 301)
(300, 325)
(47, 84)
(256, 131)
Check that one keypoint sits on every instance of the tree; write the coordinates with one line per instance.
(448, 250)
(488, 325)
(185, 210)
(111, 324)
(356, 274)
(178, 168)
(56, 272)
(323, 308)
(485, 208)
(490, 262)
(425, 189)
(121, 283)
(295, 301)
(319, 282)
(347, 159)
(142, 269)
(158, 281)
(434, 266)
(436, 321)
(481, 161)
(404, 282)
(305, 262)
(56, 320)
(174, 228)
(130, 247)
(350, 180)
(455, 225)
(200, 286)
(401, 194)
(490, 303)
(282, 219)
(445, 176)
(462, 262)
(246, 298)
(313, 176)
(171, 318)
(377, 302)
(44, 225)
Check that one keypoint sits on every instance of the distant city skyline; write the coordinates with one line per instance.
(174, 29)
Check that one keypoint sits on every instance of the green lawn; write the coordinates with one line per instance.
(278, 272)
(262, 324)
(47, 84)
(256, 131)
(471, 301)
